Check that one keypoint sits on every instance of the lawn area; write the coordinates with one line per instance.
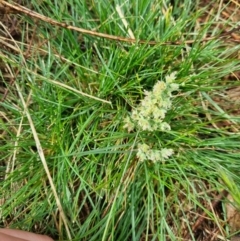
(119, 120)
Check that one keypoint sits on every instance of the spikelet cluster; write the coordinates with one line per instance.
(149, 116)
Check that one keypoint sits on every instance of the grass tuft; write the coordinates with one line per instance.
(70, 169)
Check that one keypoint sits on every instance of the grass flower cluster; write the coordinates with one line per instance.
(150, 114)
(145, 152)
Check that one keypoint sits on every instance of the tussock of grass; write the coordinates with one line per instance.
(77, 90)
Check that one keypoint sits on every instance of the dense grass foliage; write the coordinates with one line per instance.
(105, 191)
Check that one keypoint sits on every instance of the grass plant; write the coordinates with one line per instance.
(70, 169)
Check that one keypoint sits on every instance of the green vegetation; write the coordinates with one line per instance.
(59, 144)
